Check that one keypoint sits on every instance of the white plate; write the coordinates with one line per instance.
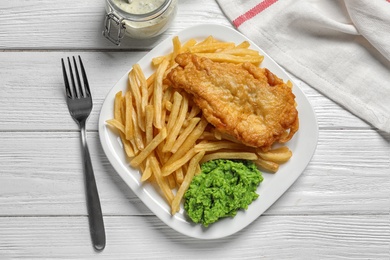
(273, 186)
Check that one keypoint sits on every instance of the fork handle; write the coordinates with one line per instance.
(95, 215)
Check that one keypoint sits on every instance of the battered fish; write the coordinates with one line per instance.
(247, 102)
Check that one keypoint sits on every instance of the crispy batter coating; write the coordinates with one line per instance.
(247, 102)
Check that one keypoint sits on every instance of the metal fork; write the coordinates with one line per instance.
(79, 102)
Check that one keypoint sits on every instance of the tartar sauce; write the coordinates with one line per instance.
(145, 25)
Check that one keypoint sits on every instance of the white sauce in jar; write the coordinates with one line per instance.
(138, 6)
(150, 27)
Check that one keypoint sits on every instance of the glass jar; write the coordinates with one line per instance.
(139, 19)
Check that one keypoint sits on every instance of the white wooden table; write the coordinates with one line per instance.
(338, 208)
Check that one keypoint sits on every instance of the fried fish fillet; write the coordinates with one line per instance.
(247, 102)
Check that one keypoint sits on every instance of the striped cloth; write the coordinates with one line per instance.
(339, 47)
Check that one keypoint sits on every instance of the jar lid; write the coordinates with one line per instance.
(140, 10)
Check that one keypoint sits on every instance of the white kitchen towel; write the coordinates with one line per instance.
(339, 47)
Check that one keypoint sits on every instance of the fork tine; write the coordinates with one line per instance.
(85, 79)
(67, 87)
(74, 88)
(79, 86)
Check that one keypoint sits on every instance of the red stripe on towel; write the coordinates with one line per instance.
(253, 12)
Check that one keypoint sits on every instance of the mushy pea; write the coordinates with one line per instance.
(221, 189)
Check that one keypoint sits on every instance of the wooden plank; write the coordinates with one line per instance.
(41, 174)
(129, 237)
(40, 90)
(59, 25)
(42, 78)
(329, 114)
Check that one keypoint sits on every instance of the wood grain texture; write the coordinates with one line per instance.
(131, 237)
(42, 175)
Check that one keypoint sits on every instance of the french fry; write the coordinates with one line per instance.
(278, 155)
(168, 168)
(149, 124)
(167, 105)
(289, 84)
(244, 44)
(241, 52)
(177, 98)
(138, 136)
(158, 93)
(149, 148)
(134, 146)
(161, 157)
(198, 170)
(208, 40)
(187, 45)
(135, 91)
(143, 85)
(222, 57)
(218, 145)
(147, 171)
(267, 165)
(118, 125)
(157, 60)
(115, 123)
(212, 47)
(229, 155)
(177, 125)
(179, 175)
(189, 141)
(192, 168)
(195, 110)
(176, 49)
(208, 136)
(217, 135)
(183, 136)
(117, 106)
(129, 150)
(123, 109)
(229, 138)
(149, 82)
(162, 183)
(171, 181)
(129, 128)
